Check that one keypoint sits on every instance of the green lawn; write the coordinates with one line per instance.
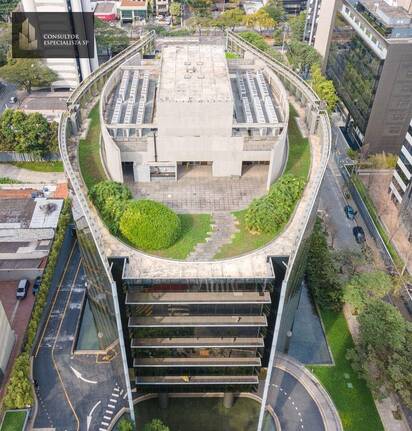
(298, 165)
(56, 166)
(13, 421)
(7, 180)
(372, 211)
(202, 414)
(89, 152)
(195, 228)
(355, 405)
(243, 241)
(299, 148)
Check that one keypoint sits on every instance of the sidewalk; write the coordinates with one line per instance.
(26, 176)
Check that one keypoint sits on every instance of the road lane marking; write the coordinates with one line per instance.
(55, 342)
(56, 295)
(111, 406)
(89, 416)
(79, 376)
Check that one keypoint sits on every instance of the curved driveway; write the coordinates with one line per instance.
(299, 400)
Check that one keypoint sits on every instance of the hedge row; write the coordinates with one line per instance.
(110, 198)
(270, 212)
(145, 224)
(19, 390)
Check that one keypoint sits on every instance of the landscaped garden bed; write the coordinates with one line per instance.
(205, 414)
(14, 420)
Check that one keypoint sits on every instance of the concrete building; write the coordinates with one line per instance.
(192, 107)
(7, 340)
(367, 51)
(194, 326)
(132, 10)
(71, 71)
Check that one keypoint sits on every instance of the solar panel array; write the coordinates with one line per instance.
(143, 98)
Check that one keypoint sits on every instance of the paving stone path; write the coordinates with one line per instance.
(224, 227)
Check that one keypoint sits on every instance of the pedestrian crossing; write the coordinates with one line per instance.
(110, 408)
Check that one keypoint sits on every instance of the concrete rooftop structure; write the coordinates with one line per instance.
(194, 73)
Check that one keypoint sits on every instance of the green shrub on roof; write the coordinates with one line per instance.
(110, 198)
(149, 225)
(270, 212)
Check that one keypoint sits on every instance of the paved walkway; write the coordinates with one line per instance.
(299, 400)
(26, 176)
(224, 228)
(198, 191)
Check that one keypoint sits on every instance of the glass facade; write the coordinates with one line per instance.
(217, 349)
(355, 70)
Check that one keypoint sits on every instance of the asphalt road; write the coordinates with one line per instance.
(75, 392)
(293, 405)
(6, 91)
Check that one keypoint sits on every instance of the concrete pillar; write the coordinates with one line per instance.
(164, 400)
(228, 399)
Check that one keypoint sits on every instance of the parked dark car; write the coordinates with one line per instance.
(22, 288)
(359, 234)
(36, 285)
(350, 212)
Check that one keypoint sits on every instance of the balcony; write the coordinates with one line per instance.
(197, 380)
(197, 362)
(196, 342)
(196, 321)
(186, 298)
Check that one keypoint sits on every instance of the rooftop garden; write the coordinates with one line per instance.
(152, 227)
(265, 218)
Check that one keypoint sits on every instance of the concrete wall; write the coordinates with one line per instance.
(7, 340)
(111, 154)
(327, 15)
(18, 274)
(392, 106)
(194, 118)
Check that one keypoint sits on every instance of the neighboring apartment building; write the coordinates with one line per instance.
(71, 71)
(311, 23)
(403, 172)
(162, 7)
(132, 10)
(367, 51)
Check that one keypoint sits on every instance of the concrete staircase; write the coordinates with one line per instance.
(224, 228)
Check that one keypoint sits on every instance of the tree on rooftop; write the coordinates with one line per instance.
(27, 73)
